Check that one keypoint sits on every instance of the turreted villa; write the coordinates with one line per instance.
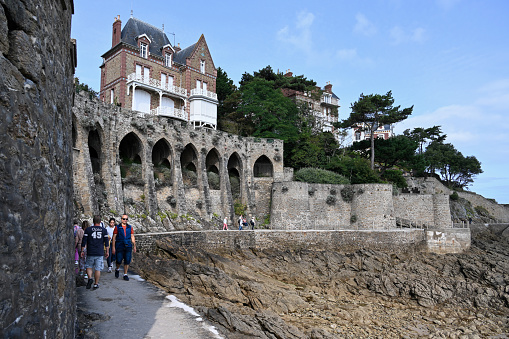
(143, 71)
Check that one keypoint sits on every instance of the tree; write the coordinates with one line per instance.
(455, 169)
(425, 135)
(391, 152)
(374, 110)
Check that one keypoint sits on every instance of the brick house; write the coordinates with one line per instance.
(324, 107)
(143, 71)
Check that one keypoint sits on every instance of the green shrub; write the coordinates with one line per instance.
(396, 177)
(347, 194)
(320, 176)
(454, 196)
(214, 181)
(239, 207)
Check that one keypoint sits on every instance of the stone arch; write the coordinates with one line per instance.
(162, 163)
(235, 175)
(263, 167)
(130, 154)
(212, 165)
(189, 165)
(94, 149)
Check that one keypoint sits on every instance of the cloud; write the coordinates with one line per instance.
(399, 35)
(301, 38)
(447, 4)
(363, 26)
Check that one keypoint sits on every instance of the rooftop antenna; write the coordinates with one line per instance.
(131, 13)
(173, 37)
(131, 9)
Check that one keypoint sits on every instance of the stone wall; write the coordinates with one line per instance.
(298, 205)
(346, 241)
(102, 129)
(37, 60)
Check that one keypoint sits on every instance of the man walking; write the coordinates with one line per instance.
(123, 245)
(95, 239)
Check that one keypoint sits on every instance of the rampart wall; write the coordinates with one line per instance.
(37, 60)
(297, 205)
(169, 165)
(346, 241)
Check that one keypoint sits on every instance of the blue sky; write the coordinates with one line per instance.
(448, 58)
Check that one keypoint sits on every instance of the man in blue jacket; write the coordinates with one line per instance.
(95, 239)
(123, 245)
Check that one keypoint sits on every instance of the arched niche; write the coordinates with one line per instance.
(94, 149)
(129, 152)
(189, 165)
(263, 168)
(162, 163)
(235, 175)
(212, 166)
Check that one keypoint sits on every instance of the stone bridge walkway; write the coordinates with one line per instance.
(137, 309)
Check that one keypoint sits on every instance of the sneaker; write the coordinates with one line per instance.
(117, 273)
(126, 278)
(85, 276)
(89, 283)
(109, 269)
(96, 286)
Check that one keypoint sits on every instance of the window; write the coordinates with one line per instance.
(167, 60)
(163, 79)
(143, 50)
(112, 96)
(204, 87)
(170, 81)
(357, 136)
(202, 66)
(198, 84)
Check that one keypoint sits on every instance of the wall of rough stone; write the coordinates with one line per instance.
(297, 205)
(347, 241)
(500, 213)
(37, 60)
(106, 192)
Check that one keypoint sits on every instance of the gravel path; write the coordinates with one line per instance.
(136, 309)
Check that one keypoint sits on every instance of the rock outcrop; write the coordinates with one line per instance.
(316, 294)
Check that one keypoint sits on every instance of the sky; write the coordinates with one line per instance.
(447, 58)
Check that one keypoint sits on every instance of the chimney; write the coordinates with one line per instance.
(177, 48)
(288, 74)
(328, 87)
(117, 29)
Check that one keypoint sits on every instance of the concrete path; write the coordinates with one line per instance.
(137, 309)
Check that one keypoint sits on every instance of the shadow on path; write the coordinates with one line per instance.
(134, 309)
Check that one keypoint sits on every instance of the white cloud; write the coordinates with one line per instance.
(364, 26)
(301, 38)
(399, 35)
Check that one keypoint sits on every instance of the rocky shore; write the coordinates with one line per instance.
(314, 294)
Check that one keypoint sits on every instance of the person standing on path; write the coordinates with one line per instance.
(252, 222)
(110, 229)
(78, 239)
(123, 245)
(241, 219)
(94, 241)
(225, 223)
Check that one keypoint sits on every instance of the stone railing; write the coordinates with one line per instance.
(147, 80)
(203, 92)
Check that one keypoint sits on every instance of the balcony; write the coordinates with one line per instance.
(156, 85)
(170, 112)
(204, 93)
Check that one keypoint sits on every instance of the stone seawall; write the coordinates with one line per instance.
(299, 206)
(37, 60)
(394, 241)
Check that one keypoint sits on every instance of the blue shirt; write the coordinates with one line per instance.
(95, 238)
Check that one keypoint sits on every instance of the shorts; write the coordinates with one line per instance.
(95, 262)
(124, 254)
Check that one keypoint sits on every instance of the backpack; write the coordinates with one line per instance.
(76, 227)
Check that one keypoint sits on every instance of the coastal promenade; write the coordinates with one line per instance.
(136, 309)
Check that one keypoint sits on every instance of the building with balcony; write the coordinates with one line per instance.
(360, 132)
(144, 72)
(324, 106)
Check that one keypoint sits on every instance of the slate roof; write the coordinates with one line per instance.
(180, 57)
(135, 27)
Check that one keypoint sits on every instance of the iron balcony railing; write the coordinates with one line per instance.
(204, 92)
(169, 112)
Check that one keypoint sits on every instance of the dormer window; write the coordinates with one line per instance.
(143, 50)
(202, 66)
(167, 59)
